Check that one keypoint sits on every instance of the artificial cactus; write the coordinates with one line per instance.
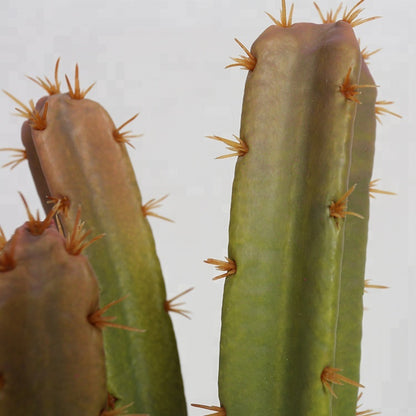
(78, 157)
(292, 305)
(52, 358)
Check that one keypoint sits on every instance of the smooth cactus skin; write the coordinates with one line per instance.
(78, 157)
(349, 327)
(280, 308)
(51, 357)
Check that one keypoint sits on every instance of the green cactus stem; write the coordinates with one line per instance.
(289, 339)
(52, 359)
(77, 156)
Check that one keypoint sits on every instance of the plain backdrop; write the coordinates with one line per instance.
(166, 59)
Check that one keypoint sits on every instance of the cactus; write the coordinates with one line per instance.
(295, 268)
(78, 158)
(292, 306)
(52, 355)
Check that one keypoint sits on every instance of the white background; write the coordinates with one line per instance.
(165, 59)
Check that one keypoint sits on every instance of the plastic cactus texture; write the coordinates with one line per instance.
(293, 297)
(294, 273)
(52, 357)
(78, 158)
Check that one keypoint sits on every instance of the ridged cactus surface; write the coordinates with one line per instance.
(52, 359)
(292, 308)
(77, 156)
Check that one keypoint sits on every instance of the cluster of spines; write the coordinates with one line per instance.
(337, 209)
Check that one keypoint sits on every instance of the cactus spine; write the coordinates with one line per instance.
(292, 306)
(51, 357)
(78, 157)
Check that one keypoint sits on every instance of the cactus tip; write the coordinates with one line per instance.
(285, 20)
(246, 62)
(77, 93)
(349, 16)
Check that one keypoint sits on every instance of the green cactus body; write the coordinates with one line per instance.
(77, 156)
(280, 308)
(349, 327)
(51, 357)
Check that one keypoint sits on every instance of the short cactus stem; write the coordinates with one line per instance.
(58, 356)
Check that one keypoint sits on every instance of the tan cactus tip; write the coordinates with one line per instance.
(121, 411)
(350, 16)
(19, 156)
(75, 241)
(219, 411)
(380, 110)
(34, 224)
(239, 147)
(36, 119)
(99, 321)
(228, 266)
(149, 206)
(285, 20)
(50, 87)
(246, 62)
(124, 137)
(373, 190)
(63, 201)
(368, 285)
(364, 412)
(170, 306)
(337, 209)
(349, 90)
(331, 375)
(77, 93)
